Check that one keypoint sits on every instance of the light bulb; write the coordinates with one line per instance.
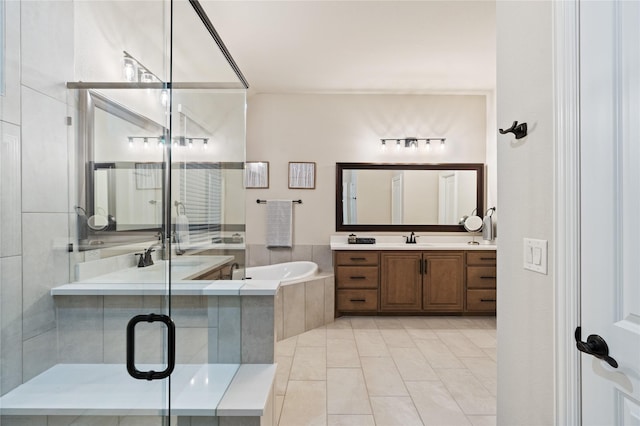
(164, 97)
(130, 69)
(205, 143)
(441, 144)
(384, 145)
(428, 145)
(146, 77)
(398, 145)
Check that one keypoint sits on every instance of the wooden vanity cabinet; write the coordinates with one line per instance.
(422, 281)
(415, 282)
(357, 277)
(401, 281)
(481, 282)
(443, 282)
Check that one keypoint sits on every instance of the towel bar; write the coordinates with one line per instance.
(259, 201)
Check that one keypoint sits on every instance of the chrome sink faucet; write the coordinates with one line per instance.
(411, 239)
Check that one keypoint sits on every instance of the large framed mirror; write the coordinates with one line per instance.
(123, 176)
(407, 197)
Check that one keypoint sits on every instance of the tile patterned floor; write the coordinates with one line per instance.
(392, 371)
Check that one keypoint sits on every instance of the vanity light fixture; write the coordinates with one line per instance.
(134, 71)
(177, 141)
(413, 143)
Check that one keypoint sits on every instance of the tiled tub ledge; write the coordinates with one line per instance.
(304, 305)
(222, 392)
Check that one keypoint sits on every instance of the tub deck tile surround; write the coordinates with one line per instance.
(305, 305)
(198, 390)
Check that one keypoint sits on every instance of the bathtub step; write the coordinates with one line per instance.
(209, 390)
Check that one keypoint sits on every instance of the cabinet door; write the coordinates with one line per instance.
(443, 282)
(401, 281)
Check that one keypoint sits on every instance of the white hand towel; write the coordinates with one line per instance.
(182, 229)
(279, 223)
(487, 228)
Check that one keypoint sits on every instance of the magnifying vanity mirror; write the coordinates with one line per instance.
(407, 197)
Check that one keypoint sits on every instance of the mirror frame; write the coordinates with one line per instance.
(88, 101)
(477, 167)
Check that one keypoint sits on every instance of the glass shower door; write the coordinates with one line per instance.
(132, 208)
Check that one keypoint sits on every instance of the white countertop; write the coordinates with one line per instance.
(178, 288)
(152, 281)
(107, 389)
(424, 243)
(182, 268)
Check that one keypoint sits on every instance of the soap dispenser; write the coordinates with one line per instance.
(352, 239)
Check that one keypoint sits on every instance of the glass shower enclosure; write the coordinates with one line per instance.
(155, 127)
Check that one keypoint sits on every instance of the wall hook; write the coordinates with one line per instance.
(520, 130)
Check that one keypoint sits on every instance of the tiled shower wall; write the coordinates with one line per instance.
(260, 255)
(34, 200)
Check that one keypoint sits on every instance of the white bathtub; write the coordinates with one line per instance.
(287, 273)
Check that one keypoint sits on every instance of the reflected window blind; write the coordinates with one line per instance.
(202, 196)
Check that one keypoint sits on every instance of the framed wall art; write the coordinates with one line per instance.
(302, 175)
(256, 174)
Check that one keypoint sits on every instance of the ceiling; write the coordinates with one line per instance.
(360, 46)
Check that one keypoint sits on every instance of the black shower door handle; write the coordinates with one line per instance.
(131, 347)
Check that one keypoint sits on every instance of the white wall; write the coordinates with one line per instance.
(347, 128)
(417, 207)
(525, 189)
(34, 162)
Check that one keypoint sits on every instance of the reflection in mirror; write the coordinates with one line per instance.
(423, 197)
(129, 193)
(122, 171)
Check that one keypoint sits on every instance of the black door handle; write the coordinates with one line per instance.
(596, 346)
(131, 347)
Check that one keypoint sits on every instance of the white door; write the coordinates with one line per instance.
(610, 210)
(397, 200)
(448, 198)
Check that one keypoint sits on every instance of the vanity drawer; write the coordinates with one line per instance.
(481, 258)
(357, 277)
(481, 300)
(357, 300)
(357, 258)
(481, 277)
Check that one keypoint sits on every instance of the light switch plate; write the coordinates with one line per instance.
(535, 255)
